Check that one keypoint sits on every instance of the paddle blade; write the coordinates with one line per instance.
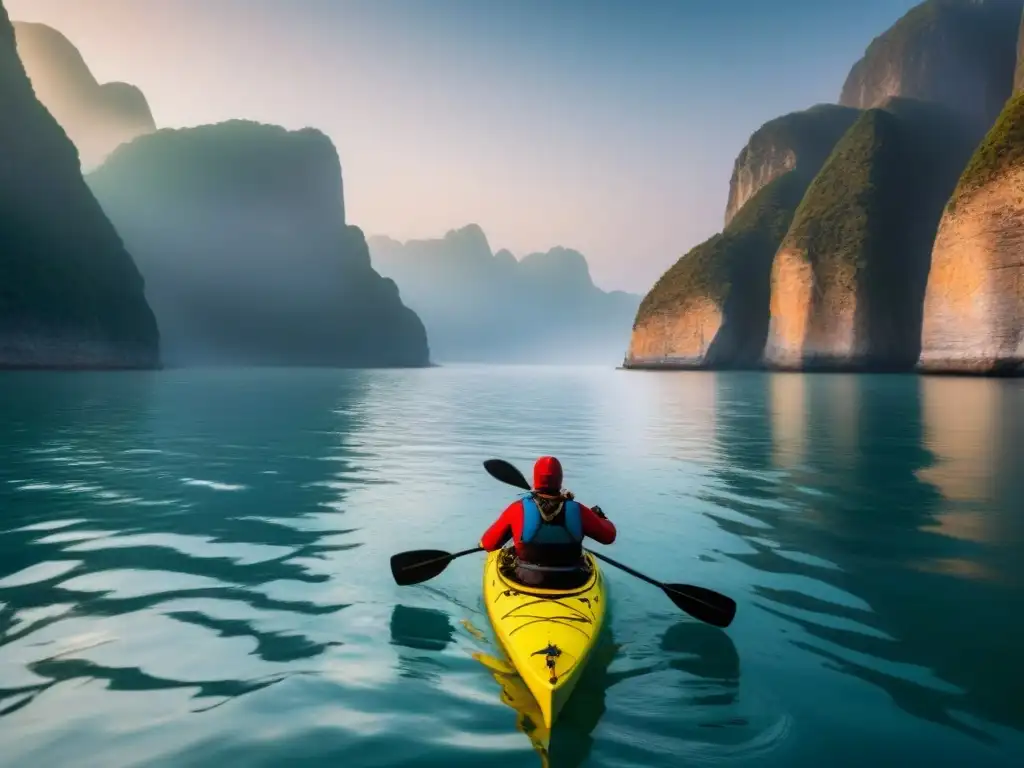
(419, 565)
(501, 470)
(704, 604)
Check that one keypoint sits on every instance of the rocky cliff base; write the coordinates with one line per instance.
(711, 308)
(848, 282)
(974, 307)
(858, 274)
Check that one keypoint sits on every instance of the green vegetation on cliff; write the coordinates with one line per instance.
(733, 268)
(804, 138)
(1002, 149)
(867, 222)
(810, 134)
(709, 269)
(834, 225)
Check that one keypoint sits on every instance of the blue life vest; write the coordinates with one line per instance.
(536, 531)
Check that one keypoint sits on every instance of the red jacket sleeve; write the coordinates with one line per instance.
(501, 531)
(600, 530)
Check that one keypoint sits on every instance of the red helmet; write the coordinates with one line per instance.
(547, 474)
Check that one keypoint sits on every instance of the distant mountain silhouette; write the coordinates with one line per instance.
(70, 295)
(239, 229)
(97, 118)
(480, 306)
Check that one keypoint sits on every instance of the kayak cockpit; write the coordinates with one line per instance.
(530, 576)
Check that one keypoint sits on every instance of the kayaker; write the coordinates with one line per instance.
(547, 527)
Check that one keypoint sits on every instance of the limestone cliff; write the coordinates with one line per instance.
(711, 307)
(239, 229)
(70, 294)
(960, 53)
(480, 306)
(974, 305)
(848, 281)
(775, 146)
(96, 117)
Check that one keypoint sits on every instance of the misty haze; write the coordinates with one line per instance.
(513, 384)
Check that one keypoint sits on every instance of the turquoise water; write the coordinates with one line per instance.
(194, 567)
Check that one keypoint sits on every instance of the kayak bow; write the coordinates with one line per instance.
(547, 634)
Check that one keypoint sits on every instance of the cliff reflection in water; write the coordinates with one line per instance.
(153, 546)
(709, 660)
(916, 512)
(420, 629)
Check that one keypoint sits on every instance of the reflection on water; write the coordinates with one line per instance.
(106, 562)
(788, 406)
(569, 743)
(193, 568)
(708, 657)
(703, 668)
(421, 629)
(888, 519)
(976, 435)
(516, 695)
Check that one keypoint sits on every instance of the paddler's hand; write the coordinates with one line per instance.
(568, 495)
(599, 512)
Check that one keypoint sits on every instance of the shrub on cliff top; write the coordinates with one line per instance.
(1001, 150)
(811, 133)
(743, 251)
(832, 225)
(750, 241)
(868, 222)
(882, 176)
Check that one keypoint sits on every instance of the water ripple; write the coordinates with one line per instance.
(194, 568)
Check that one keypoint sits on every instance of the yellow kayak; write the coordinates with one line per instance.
(547, 634)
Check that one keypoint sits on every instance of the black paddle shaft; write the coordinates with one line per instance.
(705, 604)
(422, 564)
(453, 555)
(627, 569)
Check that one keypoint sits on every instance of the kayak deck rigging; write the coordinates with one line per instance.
(547, 633)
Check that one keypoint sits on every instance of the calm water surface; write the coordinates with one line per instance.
(194, 568)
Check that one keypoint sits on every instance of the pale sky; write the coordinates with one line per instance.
(608, 127)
